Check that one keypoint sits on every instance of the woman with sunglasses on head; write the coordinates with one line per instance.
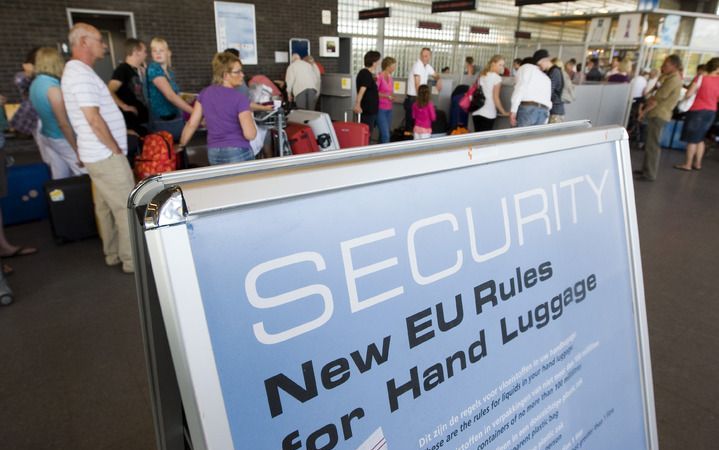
(230, 124)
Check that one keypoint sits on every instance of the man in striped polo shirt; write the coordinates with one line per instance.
(101, 141)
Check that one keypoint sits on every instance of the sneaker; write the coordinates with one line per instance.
(128, 268)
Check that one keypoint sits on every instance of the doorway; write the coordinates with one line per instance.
(115, 27)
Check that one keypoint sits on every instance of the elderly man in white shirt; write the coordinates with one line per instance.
(419, 75)
(532, 96)
(101, 142)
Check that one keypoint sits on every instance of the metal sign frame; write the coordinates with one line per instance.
(169, 200)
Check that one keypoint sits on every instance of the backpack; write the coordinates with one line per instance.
(157, 156)
(568, 94)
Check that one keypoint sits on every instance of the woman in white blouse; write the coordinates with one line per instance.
(490, 82)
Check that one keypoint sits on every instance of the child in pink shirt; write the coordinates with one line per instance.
(423, 113)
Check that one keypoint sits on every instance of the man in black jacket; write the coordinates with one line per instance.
(556, 114)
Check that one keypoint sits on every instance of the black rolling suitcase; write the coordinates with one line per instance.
(72, 214)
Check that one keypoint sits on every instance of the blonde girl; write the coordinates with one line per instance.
(490, 82)
(165, 103)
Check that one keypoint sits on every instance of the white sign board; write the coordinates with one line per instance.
(628, 29)
(705, 34)
(462, 292)
(599, 29)
(236, 28)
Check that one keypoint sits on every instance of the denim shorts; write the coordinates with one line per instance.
(227, 155)
(696, 125)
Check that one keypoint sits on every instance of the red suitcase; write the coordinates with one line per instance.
(301, 138)
(351, 134)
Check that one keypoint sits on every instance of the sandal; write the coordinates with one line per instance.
(21, 251)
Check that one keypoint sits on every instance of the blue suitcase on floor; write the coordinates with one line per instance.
(25, 200)
(671, 135)
(665, 141)
(677, 142)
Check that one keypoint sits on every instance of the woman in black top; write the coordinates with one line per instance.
(367, 101)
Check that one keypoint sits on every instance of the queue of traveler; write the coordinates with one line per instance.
(542, 87)
(82, 125)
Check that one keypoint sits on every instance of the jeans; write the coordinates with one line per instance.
(531, 115)
(227, 155)
(696, 125)
(384, 123)
(174, 126)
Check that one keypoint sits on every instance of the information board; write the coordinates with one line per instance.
(492, 306)
(236, 28)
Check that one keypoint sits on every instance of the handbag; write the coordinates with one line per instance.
(686, 104)
(477, 100)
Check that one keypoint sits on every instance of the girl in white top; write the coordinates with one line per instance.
(490, 82)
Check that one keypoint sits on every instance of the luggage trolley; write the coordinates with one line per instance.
(277, 121)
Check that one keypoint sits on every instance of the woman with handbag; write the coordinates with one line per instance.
(490, 82)
(700, 116)
(165, 104)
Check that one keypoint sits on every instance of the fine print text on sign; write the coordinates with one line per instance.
(468, 309)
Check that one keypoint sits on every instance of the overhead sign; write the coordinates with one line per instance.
(376, 13)
(413, 313)
(479, 30)
(429, 25)
(538, 2)
(523, 35)
(453, 5)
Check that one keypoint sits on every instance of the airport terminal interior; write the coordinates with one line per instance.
(81, 363)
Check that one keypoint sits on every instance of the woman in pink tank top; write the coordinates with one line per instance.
(700, 116)
(385, 86)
